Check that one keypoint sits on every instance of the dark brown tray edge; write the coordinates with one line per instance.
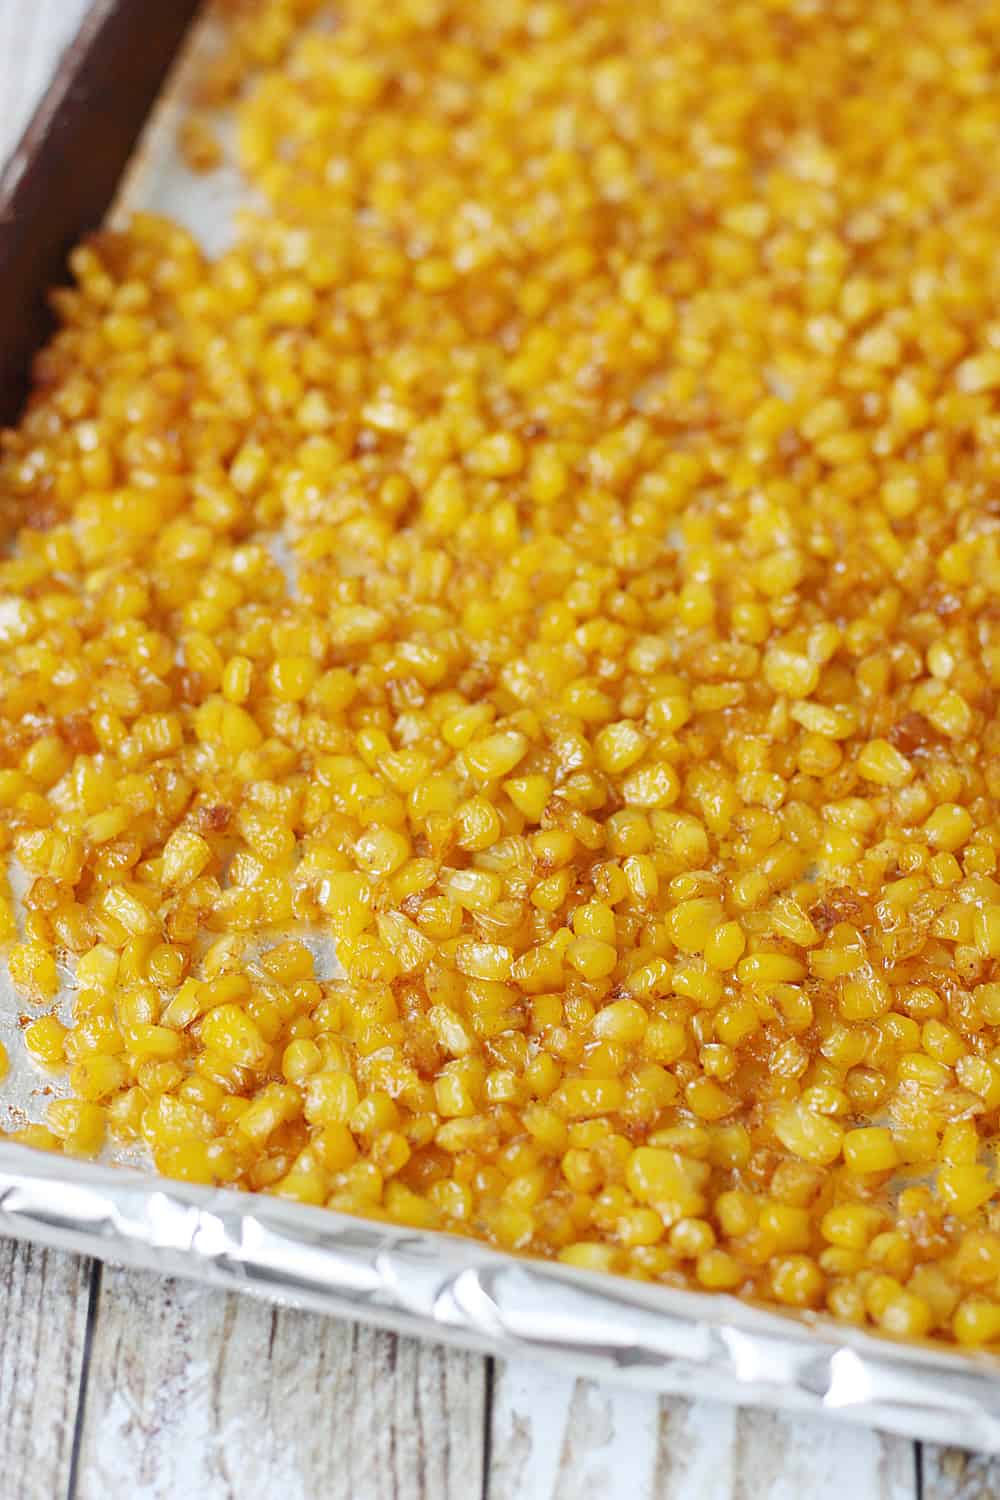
(66, 168)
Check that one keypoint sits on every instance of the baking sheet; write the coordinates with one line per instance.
(457, 1291)
(428, 1283)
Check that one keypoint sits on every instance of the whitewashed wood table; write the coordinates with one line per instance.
(118, 1383)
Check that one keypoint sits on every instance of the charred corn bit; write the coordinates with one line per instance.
(621, 382)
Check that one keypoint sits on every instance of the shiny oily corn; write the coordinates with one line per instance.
(631, 724)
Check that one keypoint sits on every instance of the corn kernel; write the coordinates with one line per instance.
(592, 958)
(78, 1124)
(883, 764)
(870, 1149)
(45, 1039)
(808, 1136)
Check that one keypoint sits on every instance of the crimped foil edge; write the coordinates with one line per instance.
(440, 1286)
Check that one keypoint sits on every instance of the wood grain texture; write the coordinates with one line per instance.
(953, 1474)
(43, 1330)
(786, 1457)
(559, 1439)
(192, 1393)
(554, 1439)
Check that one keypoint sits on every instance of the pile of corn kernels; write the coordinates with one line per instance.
(556, 554)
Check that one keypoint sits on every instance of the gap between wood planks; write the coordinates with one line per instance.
(122, 1383)
(491, 1372)
(93, 1298)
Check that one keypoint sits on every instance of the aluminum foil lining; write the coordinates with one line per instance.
(456, 1291)
(432, 1284)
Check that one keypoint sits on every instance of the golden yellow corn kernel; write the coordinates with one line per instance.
(964, 1187)
(45, 760)
(237, 679)
(655, 785)
(97, 1077)
(591, 1256)
(936, 1288)
(291, 678)
(477, 824)
(583, 1098)
(850, 1226)
(491, 961)
(592, 958)
(529, 794)
(870, 1149)
(692, 1238)
(233, 1035)
(98, 969)
(986, 930)
(496, 755)
(790, 672)
(476, 890)
(581, 1170)
(708, 1101)
(693, 922)
(785, 1226)
(641, 879)
(906, 1316)
(654, 978)
(33, 971)
(797, 1281)
(808, 1135)
(977, 1321)
(770, 968)
(737, 1212)
(45, 1039)
(718, 1271)
(619, 746)
(665, 1041)
(791, 922)
(959, 1143)
(948, 827)
(981, 372)
(381, 851)
(701, 985)
(640, 1227)
(622, 1021)
(667, 1182)
(127, 907)
(725, 946)
(498, 454)
(330, 1098)
(301, 1058)
(594, 920)
(78, 1124)
(273, 1106)
(881, 763)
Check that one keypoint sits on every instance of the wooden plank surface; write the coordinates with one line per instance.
(193, 1393)
(43, 1334)
(952, 1474)
(554, 1439)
